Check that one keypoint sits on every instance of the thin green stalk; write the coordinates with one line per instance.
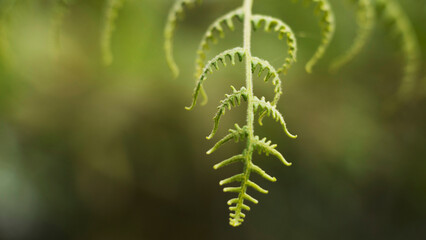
(247, 8)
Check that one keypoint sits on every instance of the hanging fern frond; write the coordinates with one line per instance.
(392, 13)
(176, 11)
(111, 14)
(326, 18)
(365, 20)
(215, 31)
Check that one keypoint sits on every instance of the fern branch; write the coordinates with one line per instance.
(172, 20)
(211, 36)
(365, 22)
(264, 65)
(326, 18)
(111, 14)
(237, 134)
(392, 13)
(271, 110)
(214, 64)
(265, 146)
(231, 100)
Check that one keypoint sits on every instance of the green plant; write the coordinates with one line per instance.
(365, 20)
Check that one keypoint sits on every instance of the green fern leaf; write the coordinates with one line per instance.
(365, 22)
(177, 10)
(393, 14)
(111, 14)
(326, 17)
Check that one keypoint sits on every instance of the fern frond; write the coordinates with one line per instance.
(265, 146)
(271, 110)
(177, 10)
(365, 21)
(252, 64)
(111, 14)
(284, 31)
(393, 14)
(231, 100)
(237, 134)
(326, 17)
(214, 64)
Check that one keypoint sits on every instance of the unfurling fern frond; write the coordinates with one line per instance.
(111, 14)
(252, 64)
(392, 13)
(365, 21)
(327, 23)
(176, 11)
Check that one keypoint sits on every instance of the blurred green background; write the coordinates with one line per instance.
(95, 152)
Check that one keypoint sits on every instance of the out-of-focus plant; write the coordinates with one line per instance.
(111, 13)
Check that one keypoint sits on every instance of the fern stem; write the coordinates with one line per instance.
(249, 75)
(236, 219)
